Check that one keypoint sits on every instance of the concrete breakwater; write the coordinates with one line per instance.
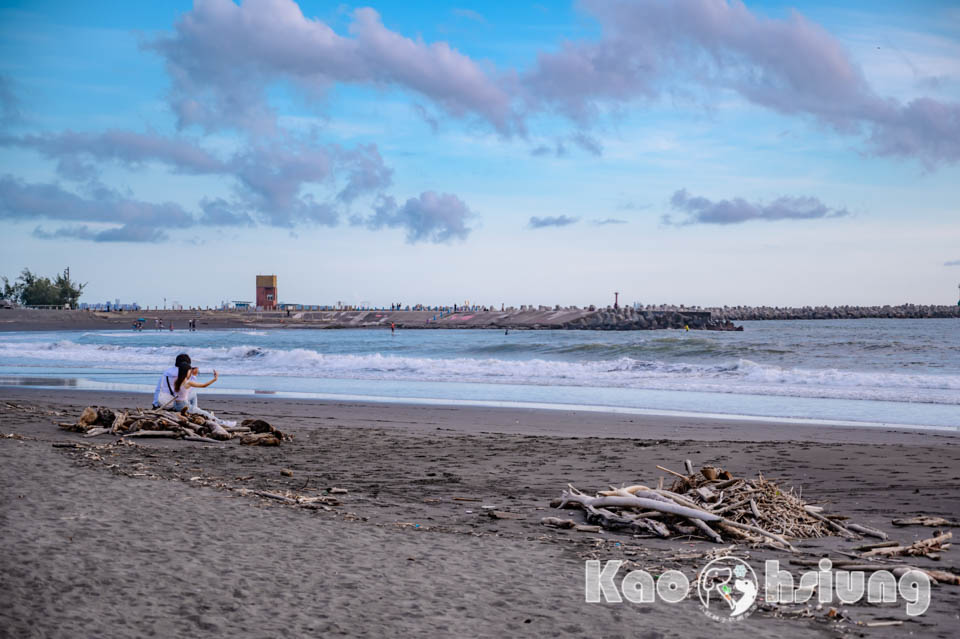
(526, 318)
(543, 319)
(902, 311)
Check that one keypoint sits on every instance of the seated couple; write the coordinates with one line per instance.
(175, 389)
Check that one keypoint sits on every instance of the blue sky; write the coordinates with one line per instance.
(697, 152)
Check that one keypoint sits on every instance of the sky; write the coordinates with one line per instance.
(699, 152)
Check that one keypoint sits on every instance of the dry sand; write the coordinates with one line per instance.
(157, 539)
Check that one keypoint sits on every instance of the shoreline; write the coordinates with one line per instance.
(552, 421)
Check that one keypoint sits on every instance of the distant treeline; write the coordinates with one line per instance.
(30, 289)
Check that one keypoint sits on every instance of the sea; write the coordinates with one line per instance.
(872, 372)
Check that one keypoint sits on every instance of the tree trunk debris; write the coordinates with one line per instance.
(99, 420)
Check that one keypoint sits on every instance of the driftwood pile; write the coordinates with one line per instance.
(711, 503)
(100, 420)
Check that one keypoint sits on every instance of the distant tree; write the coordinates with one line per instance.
(11, 291)
(31, 289)
(69, 291)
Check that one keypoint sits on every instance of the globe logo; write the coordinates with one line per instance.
(728, 587)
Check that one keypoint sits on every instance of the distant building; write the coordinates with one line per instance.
(109, 306)
(267, 291)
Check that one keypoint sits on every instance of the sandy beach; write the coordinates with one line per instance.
(166, 538)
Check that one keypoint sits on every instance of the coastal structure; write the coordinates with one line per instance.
(267, 291)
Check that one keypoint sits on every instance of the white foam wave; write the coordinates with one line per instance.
(741, 376)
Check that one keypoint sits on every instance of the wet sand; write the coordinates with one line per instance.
(164, 538)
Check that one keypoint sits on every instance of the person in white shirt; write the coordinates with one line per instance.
(163, 393)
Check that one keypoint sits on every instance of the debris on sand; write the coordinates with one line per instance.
(99, 420)
(711, 503)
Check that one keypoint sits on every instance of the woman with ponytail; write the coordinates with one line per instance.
(187, 379)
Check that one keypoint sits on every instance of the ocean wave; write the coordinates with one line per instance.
(735, 375)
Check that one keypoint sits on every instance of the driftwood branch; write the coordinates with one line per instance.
(866, 530)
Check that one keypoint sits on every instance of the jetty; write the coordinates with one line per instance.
(510, 318)
(524, 318)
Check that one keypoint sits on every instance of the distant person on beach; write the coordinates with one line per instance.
(171, 326)
(393, 328)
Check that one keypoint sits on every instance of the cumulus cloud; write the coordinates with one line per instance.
(220, 212)
(271, 179)
(126, 147)
(559, 149)
(588, 143)
(558, 220)
(136, 220)
(124, 233)
(81, 232)
(431, 217)
(790, 65)
(222, 57)
(701, 210)
(366, 172)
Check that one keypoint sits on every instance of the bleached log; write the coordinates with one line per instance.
(609, 519)
(633, 491)
(726, 484)
(677, 498)
(918, 547)
(760, 531)
(926, 520)
(705, 529)
(263, 493)
(843, 531)
(637, 502)
(706, 494)
(897, 569)
(118, 421)
(218, 431)
(866, 530)
(882, 544)
(94, 432)
(153, 433)
(672, 472)
(200, 438)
